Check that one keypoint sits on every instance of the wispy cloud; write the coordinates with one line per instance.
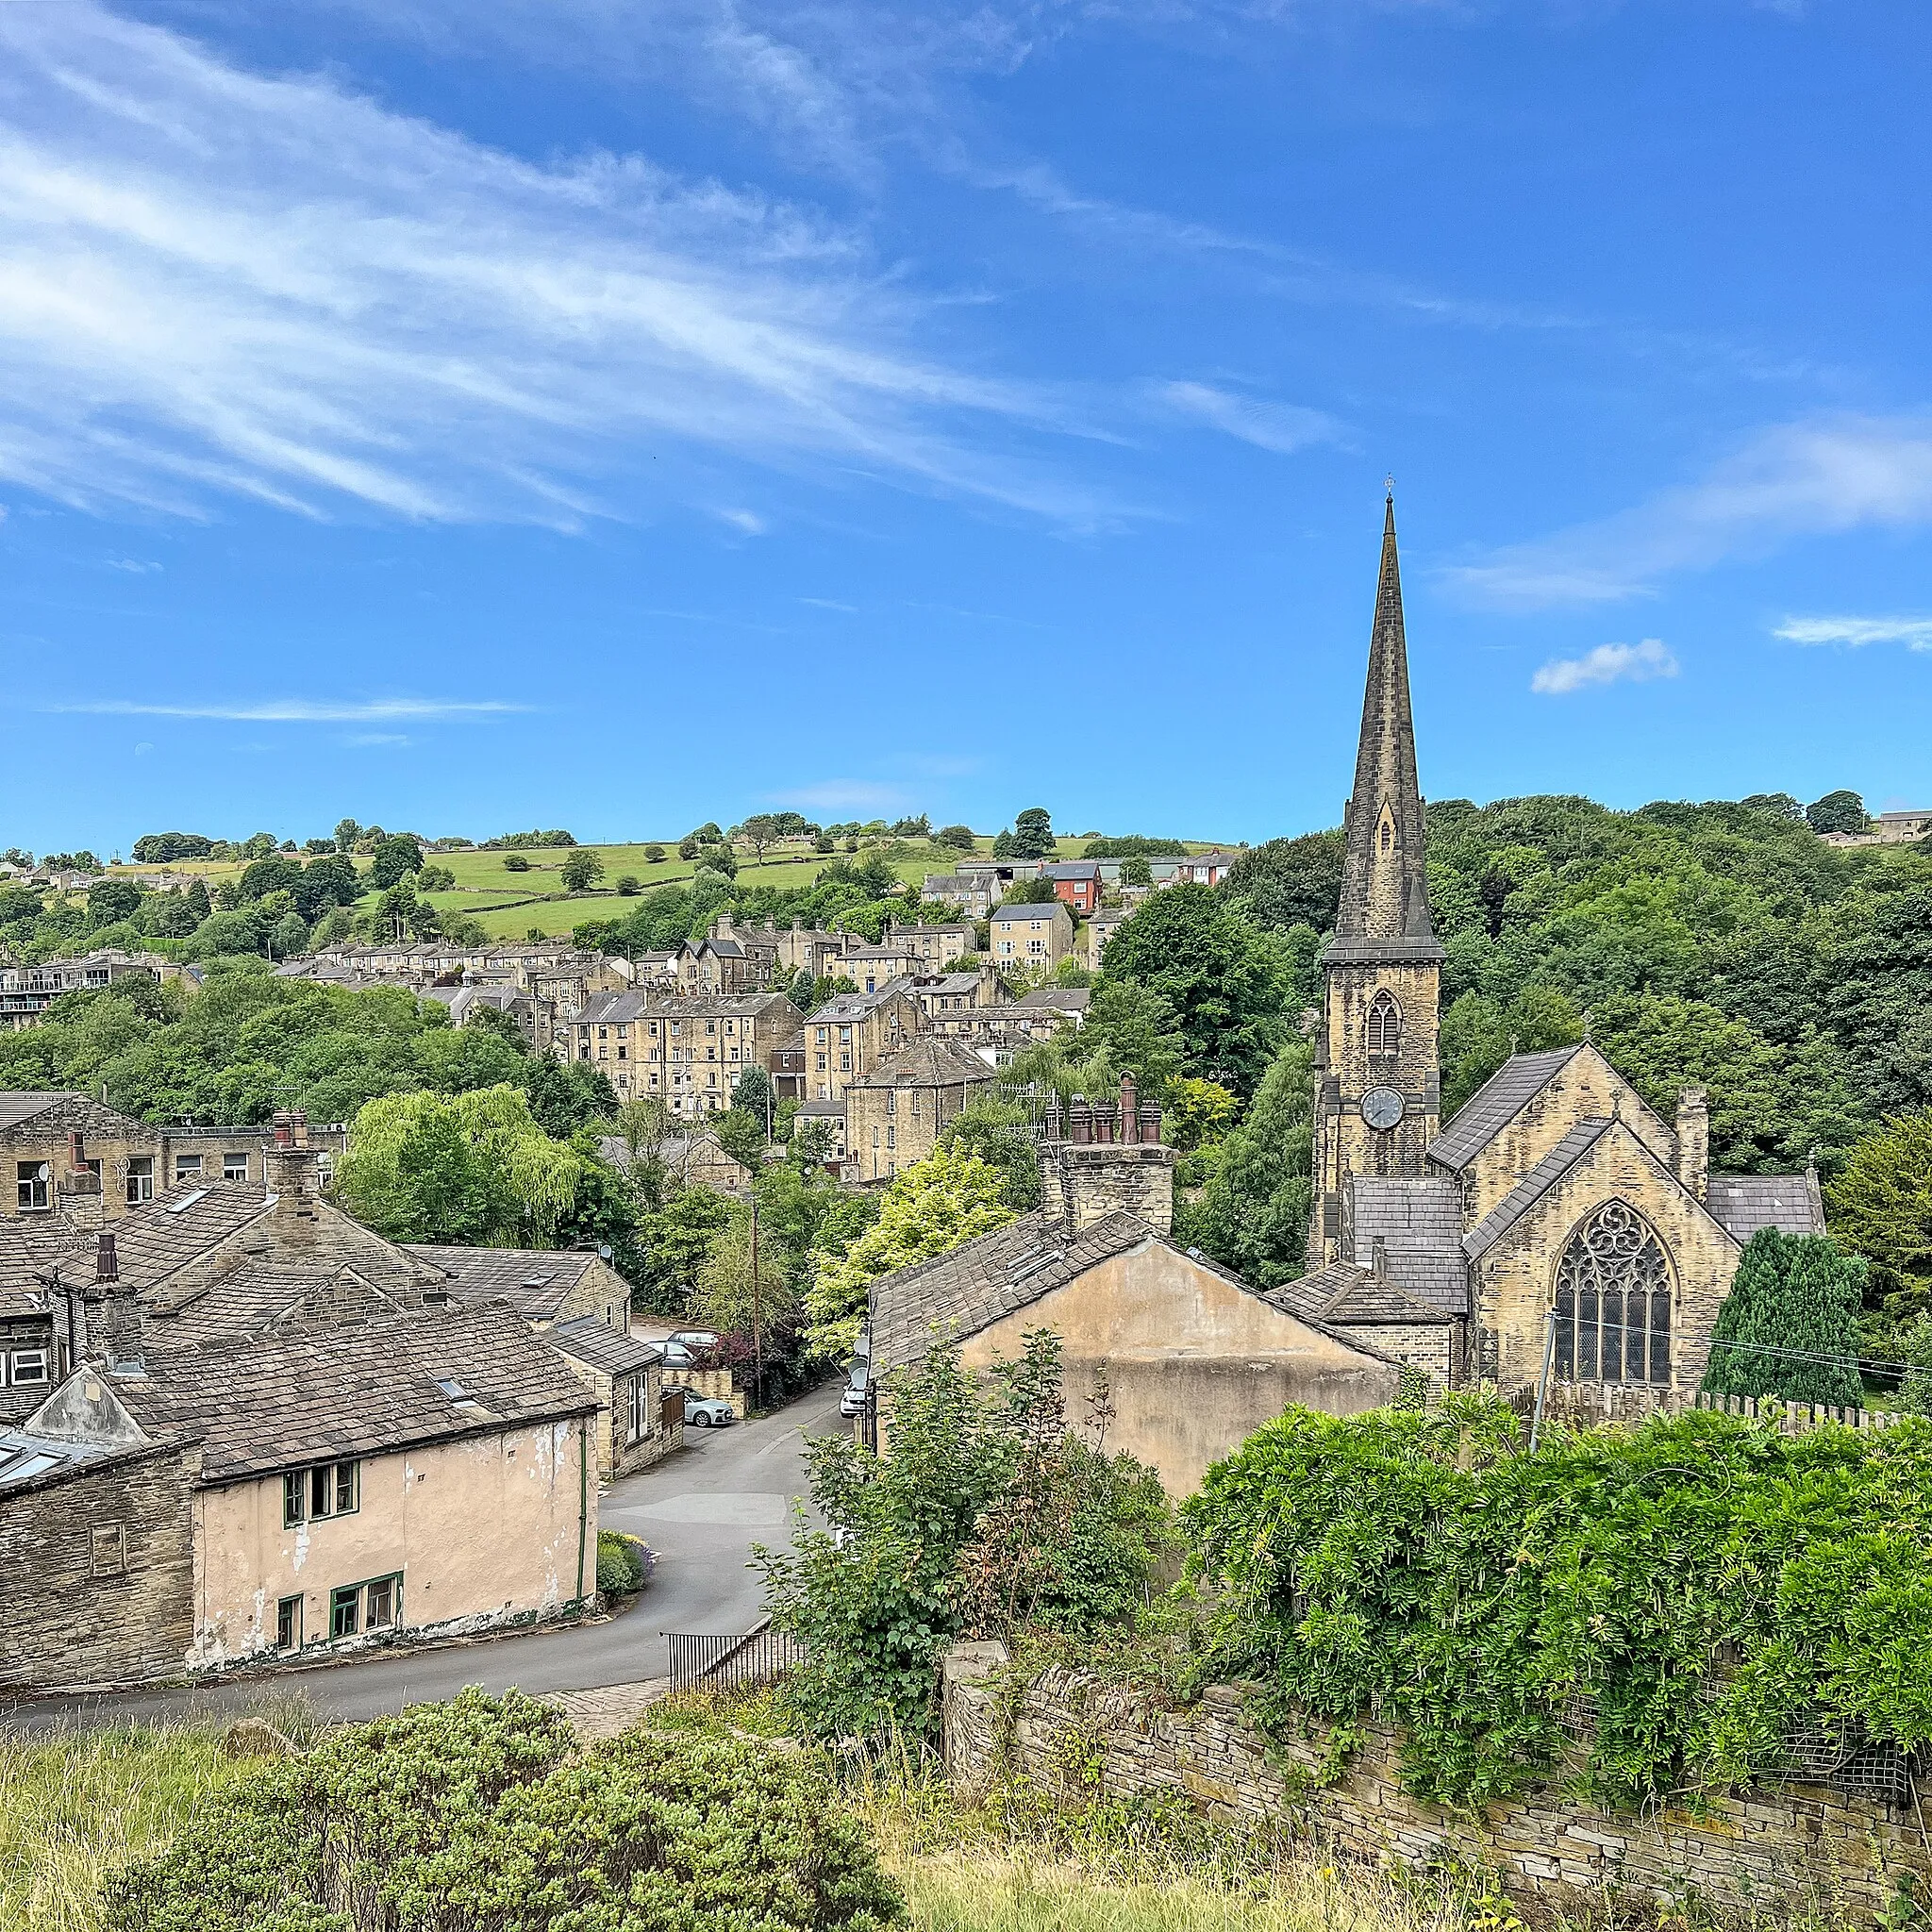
(384, 738)
(746, 520)
(843, 794)
(301, 710)
(1914, 632)
(1802, 479)
(134, 566)
(830, 603)
(220, 283)
(1283, 428)
(1607, 664)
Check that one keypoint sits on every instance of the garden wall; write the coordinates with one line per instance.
(1084, 1738)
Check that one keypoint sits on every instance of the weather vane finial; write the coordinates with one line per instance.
(1389, 485)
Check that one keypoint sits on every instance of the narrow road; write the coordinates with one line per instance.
(701, 1509)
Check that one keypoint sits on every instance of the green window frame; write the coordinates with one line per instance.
(289, 1623)
(366, 1609)
(321, 1491)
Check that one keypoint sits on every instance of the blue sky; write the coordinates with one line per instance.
(431, 413)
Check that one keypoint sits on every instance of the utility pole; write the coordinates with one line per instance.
(757, 1332)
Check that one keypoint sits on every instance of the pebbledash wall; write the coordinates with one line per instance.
(1766, 1848)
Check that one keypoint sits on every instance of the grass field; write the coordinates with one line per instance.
(510, 904)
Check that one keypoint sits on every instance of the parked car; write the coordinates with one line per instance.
(853, 1401)
(707, 1412)
(676, 1355)
(696, 1337)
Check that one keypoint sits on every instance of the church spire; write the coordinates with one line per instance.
(1385, 901)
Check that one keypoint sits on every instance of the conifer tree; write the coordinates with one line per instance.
(1798, 1295)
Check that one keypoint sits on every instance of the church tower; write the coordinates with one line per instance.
(1377, 1084)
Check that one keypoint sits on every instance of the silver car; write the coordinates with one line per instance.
(708, 1412)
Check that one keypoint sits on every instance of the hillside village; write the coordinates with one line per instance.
(1227, 1143)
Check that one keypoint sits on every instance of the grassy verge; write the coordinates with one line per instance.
(76, 1805)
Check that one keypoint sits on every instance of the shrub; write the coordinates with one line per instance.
(515, 862)
(654, 855)
(479, 1812)
(1698, 1586)
(624, 1563)
(628, 885)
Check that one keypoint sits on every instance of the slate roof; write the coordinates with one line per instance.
(1033, 909)
(852, 1007)
(181, 1226)
(927, 1061)
(823, 1110)
(1744, 1203)
(264, 1295)
(534, 1281)
(1072, 869)
(1344, 1294)
(15, 1107)
(278, 1401)
(1525, 1195)
(1419, 1223)
(976, 1285)
(597, 1343)
(1497, 1103)
(1061, 999)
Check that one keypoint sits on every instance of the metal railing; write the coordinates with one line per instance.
(698, 1661)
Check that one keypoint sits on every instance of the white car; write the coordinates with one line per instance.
(853, 1401)
(707, 1412)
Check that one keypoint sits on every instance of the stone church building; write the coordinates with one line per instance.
(1554, 1193)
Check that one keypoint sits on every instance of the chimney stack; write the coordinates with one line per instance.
(1112, 1163)
(291, 1174)
(1693, 1140)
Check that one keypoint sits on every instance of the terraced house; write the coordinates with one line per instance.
(686, 1050)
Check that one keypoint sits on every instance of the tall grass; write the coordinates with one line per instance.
(78, 1803)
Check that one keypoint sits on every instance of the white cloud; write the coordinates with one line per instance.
(746, 520)
(300, 710)
(376, 738)
(219, 283)
(134, 566)
(1283, 428)
(1819, 477)
(1607, 664)
(1915, 632)
(830, 603)
(843, 794)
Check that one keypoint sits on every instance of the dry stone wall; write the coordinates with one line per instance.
(1081, 1738)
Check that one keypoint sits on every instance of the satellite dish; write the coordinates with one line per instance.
(45, 1171)
(605, 1251)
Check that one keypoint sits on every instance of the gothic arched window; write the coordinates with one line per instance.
(1385, 1024)
(1613, 1301)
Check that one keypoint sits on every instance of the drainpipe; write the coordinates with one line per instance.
(583, 1501)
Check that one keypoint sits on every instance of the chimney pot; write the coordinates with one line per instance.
(107, 1259)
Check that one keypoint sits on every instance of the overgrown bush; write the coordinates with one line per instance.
(1660, 1607)
(624, 1563)
(480, 1814)
(984, 1515)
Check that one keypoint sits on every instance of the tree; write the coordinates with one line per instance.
(108, 900)
(258, 845)
(1253, 1215)
(761, 830)
(463, 1168)
(1230, 981)
(1881, 1207)
(330, 880)
(347, 833)
(931, 1208)
(1138, 1028)
(581, 870)
(1479, 1036)
(1837, 812)
(1136, 871)
(515, 862)
(628, 885)
(956, 838)
(1789, 1325)
(163, 848)
(730, 1295)
(687, 848)
(1000, 1132)
(1289, 882)
(394, 860)
(719, 858)
(654, 855)
(1198, 1111)
(1031, 892)
(675, 1241)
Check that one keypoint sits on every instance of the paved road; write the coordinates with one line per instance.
(701, 1509)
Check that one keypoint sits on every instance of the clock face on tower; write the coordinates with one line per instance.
(1382, 1108)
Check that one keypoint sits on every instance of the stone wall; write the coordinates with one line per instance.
(98, 1568)
(1772, 1847)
